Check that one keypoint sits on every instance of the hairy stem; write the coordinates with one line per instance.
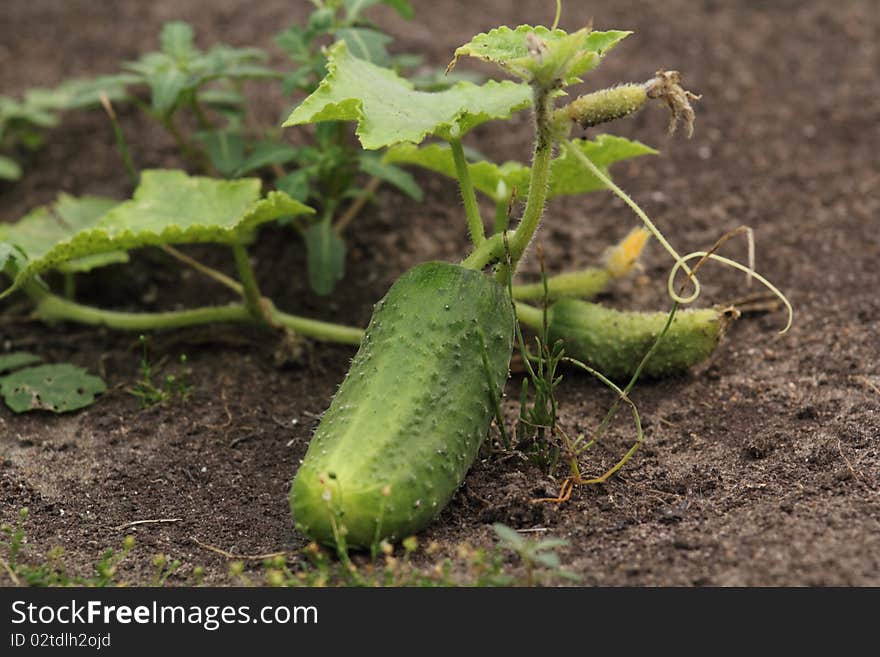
(468, 195)
(489, 251)
(540, 177)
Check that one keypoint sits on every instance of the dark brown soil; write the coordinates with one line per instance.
(760, 468)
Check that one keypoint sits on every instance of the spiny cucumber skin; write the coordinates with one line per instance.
(614, 342)
(607, 105)
(408, 420)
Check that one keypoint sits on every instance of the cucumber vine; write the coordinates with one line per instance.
(354, 79)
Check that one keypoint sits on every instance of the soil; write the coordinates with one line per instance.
(761, 467)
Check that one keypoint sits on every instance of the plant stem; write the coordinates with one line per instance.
(194, 155)
(468, 195)
(588, 164)
(357, 205)
(121, 143)
(558, 14)
(69, 285)
(313, 328)
(199, 111)
(210, 272)
(252, 296)
(540, 177)
(53, 308)
(490, 250)
(502, 216)
(529, 315)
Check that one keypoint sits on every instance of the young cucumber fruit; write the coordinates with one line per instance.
(410, 416)
(614, 342)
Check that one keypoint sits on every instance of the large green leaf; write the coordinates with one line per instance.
(326, 257)
(538, 54)
(171, 207)
(56, 388)
(389, 110)
(567, 177)
(38, 231)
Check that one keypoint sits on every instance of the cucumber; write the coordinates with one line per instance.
(408, 420)
(614, 342)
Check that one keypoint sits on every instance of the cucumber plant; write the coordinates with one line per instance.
(428, 377)
(400, 433)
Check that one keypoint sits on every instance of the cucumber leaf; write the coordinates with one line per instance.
(567, 177)
(57, 388)
(389, 110)
(42, 228)
(375, 166)
(225, 148)
(366, 43)
(267, 152)
(354, 8)
(537, 54)
(326, 257)
(170, 207)
(296, 184)
(485, 175)
(17, 360)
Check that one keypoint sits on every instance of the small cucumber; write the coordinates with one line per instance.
(408, 420)
(614, 342)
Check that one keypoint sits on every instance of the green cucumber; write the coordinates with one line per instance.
(614, 342)
(408, 420)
